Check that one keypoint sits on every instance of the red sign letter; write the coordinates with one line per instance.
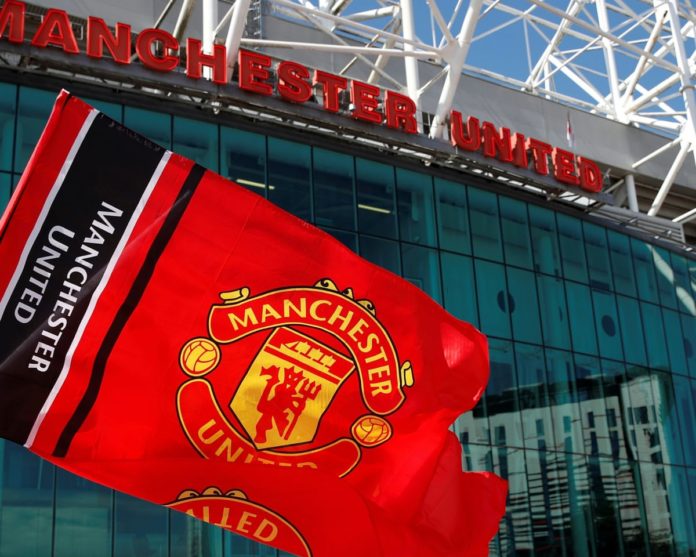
(253, 72)
(331, 85)
(98, 35)
(400, 112)
(196, 59)
(12, 14)
(590, 175)
(365, 102)
(143, 46)
(496, 144)
(55, 29)
(519, 149)
(540, 151)
(471, 140)
(564, 167)
(292, 82)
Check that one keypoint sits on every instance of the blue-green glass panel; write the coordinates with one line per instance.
(348, 239)
(26, 503)
(112, 110)
(666, 282)
(622, 263)
(689, 332)
(655, 336)
(685, 294)
(34, 109)
(631, 325)
(243, 158)
(376, 198)
(607, 324)
(545, 241)
(675, 342)
(238, 546)
(289, 176)
(532, 385)
(683, 516)
(472, 427)
(459, 286)
(523, 306)
(581, 315)
(140, 528)
(502, 396)
(334, 189)
(485, 227)
(420, 267)
(572, 248)
(416, 207)
(197, 140)
(515, 225)
(563, 401)
(83, 511)
(156, 126)
(452, 216)
(554, 316)
(493, 298)
(593, 410)
(8, 109)
(667, 419)
(190, 536)
(645, 270)
(384, 253)
(598, 256)
(685, 395)
(615, 390)
(608, 529)
(5, 190)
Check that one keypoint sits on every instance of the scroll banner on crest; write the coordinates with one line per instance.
(174, 336)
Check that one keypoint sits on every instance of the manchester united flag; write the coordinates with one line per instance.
(171, 335)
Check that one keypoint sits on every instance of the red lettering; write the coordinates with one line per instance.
(253, 72)
(540, 152)
(519, 151)
(469, 140)
(12, 14)
(331, 86)
(292, 82)
(495, 143)
(165, 62)
(365, 99)
(196, 59)
(564, 167)
(590, 175)
(55, 29)
(99, 35)
(400, 112)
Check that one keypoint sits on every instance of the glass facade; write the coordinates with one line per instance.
(590, 413)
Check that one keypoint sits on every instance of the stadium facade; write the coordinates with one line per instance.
(589, 306)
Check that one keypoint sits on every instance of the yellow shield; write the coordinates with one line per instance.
(287, 389)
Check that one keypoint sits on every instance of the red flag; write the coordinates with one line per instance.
(173, 336)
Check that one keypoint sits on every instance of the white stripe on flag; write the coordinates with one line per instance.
(96, 295)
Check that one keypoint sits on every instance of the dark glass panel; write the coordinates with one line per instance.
(515, 225)
(384, 253)
(26, 503)
(554, 317)
(112, 110)
(348, 239)
(545, 241)
(197, 140)
(494, 301)
(140, 529)
(575, 504)
(376, 198)
(667, 419)
(289, 176)
(523, 306)
(581, 314)
(34, 109)
(645, 270)
(190, 536)
(416, 207)
(238, 546)
(685, 395)
(665, 277)
(685, 294)
(572, 248)
(452, 216)
(682, 514)
(598, 256)
(472, 427)
(156, 126)
(82, 512)
(675, 342)
(607, 325)
(644, 436)
(502, 396)
(420, 267)
(334, 189)
(459, 286)
(243, 158)
(631, 325)
(8, 108)
(485, 227)
(619, 411)
(534, 397)
(622, 263)
(608, 530)
(654, 336)
(563, 400)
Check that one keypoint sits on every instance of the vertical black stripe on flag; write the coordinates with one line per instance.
(126, 310)
(82, 229)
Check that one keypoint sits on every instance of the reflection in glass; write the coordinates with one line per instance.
(190, 536)
(334, 189)
(485, 230)
(684, 291)
(523, 306)
(563, 400)
(607, 325)
(416, 210)
(581, 315)
(502, 396)
(594, 408)
(654, 336)
(235, 545)
(689, 332)
(685, 396)
(645, 270)
(493, 297)
(452, 216)
(8, 108)
(554, 320)
(666, 416)
(534, 398)
(376, 198)
(515, 225)
(665, 277)
(675, 341)
(243, 158)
